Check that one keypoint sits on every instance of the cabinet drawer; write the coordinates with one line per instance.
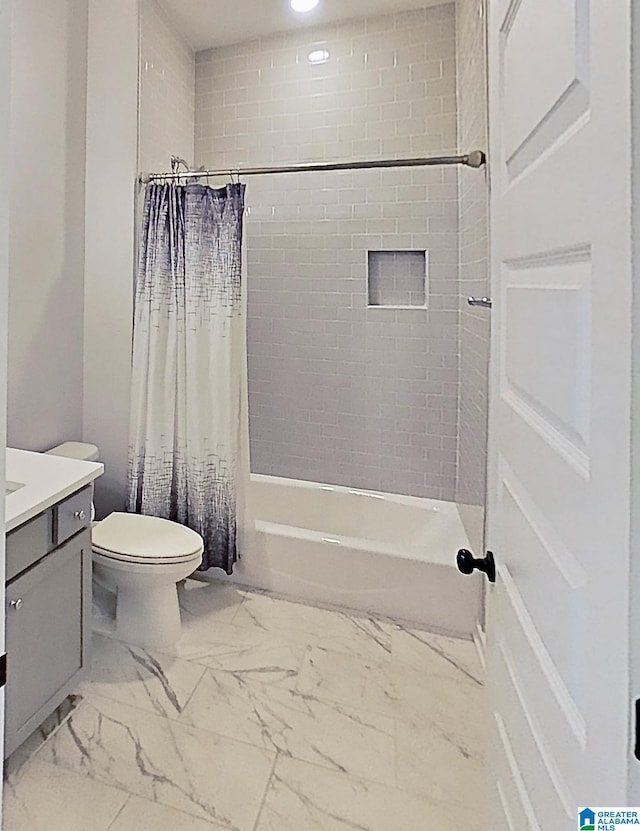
(28, 543)
(71, 515)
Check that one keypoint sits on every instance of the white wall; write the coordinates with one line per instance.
(129, 43)
(112, 129)
(46, 164)
(72, 241)
(71, 247)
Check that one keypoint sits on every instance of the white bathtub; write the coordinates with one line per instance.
(378, 552)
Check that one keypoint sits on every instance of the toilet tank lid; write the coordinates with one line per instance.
(75, 450)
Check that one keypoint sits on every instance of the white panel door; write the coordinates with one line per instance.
(558, 513)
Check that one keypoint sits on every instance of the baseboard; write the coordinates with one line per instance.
(480, 640)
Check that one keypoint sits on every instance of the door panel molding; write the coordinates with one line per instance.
(545, 363)
(516, 775)
(560, 556)
(543, 748)
(580, 252)
(506, 813)
(544, 661)
(576, 458)
(542, 100)
(568, 114)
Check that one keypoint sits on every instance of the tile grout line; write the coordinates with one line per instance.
(62, 767)
(105, 693)
(190, 728)
(266, 791)
(171, 722)
(376, 782)
(419, 795)
(271, 776)
(358, 614)
(348, 611)
(239, 606)
(193, 692)
(53, 733)
(396, 745)
(248, 743)
(122, 807)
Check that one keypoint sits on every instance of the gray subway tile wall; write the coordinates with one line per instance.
(341, 392)
(474, 272)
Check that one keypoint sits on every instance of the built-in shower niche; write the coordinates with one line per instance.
(397, 279)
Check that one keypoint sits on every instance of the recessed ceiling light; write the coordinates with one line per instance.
(319, 56)
(303, 5)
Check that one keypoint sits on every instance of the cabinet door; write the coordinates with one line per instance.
(44, 635)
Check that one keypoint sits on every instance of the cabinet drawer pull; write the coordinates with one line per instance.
(16, 604)
(80, 515)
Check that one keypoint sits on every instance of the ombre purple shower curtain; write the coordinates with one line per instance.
(187, 370)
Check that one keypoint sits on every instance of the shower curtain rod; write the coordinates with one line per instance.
(474, 159)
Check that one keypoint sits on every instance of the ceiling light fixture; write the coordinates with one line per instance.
(318, 56)
(303, 6)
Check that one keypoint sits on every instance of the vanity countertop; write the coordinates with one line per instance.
(44, 480)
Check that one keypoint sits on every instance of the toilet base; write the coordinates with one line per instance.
(150, 618)
(147, 612)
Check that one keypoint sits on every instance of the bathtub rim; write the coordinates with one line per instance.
(364, 544)
(400, 498)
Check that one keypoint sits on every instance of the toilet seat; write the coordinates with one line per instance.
(136, 538)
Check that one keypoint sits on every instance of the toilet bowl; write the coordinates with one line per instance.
(141, 559)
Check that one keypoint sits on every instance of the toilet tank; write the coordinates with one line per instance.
(76, 450)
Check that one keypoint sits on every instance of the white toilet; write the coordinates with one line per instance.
(140, 559)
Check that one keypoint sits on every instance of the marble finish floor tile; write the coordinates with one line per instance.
(440, 765)
(249, 653)
(29, 747)
(152, 681)
(395, 690)
(212, 777)
(211, 602)
(328, 733)
(436, 654)
(141, 814)
(361, 684)
(350, 633)
(304, 797)
(45, 797)
(371, 726)
(452, 707)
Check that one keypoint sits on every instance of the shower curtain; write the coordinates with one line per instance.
(189, 364)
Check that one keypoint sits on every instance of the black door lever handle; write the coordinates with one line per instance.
(467, 564)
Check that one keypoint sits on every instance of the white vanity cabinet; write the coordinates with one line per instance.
(48, 612)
